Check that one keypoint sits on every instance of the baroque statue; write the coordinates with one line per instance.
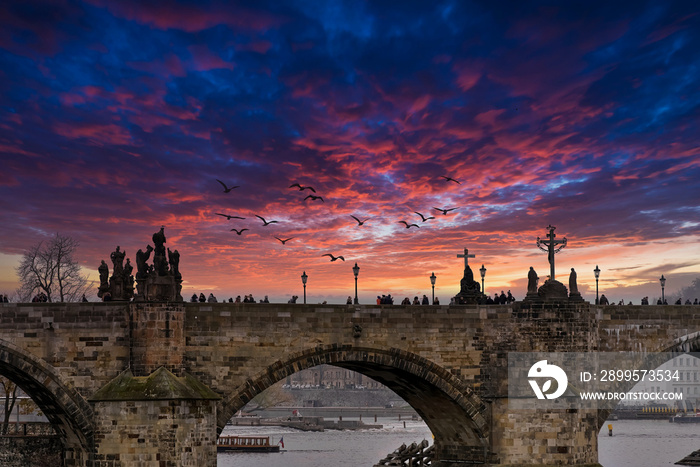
(117, 257)
(573, 288)
(532, 280)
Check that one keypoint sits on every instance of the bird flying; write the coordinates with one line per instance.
(333, 258)
(408, 226)
(450, 179)
(226, 189)
(423, 217)
(314, 198)
(229, 217)
(445, 211)
(302, 188)
(284, 241)
(238, 231)
(264, 221)
(359, 222)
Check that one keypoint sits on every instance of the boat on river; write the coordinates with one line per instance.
(230, 443)
(685, 418)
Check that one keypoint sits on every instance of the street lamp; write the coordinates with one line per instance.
(304, 277)
(663, 284)
(482, 270)
(596, 271)
(356, 271)
(432, 282)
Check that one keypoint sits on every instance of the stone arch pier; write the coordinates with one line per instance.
(660, 353)
(70, 414)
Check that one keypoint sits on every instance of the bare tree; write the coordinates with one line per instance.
(687, 293)
(12, 396)
(273, 396)
(8, 391)
(49, 267)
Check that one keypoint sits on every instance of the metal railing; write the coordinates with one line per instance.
(27, 429)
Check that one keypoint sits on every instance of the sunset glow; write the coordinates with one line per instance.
(119, 117)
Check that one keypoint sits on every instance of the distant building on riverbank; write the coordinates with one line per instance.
(329, 376)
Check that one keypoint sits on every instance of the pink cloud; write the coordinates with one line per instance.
(96, 133)
(260, 47)
(204, 59)
(489, 117)
(468, 74)
(171, 65)
(191, 18)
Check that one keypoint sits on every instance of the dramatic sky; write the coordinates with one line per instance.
(117, 117)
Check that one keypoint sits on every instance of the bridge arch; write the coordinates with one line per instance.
(65, 408)
(681, 345)
(688, 343)
(454, 413)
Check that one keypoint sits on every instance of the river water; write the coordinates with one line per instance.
(633, 444)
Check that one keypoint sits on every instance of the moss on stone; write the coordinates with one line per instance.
(159, 385)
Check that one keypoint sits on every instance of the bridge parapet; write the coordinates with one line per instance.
(648, 328)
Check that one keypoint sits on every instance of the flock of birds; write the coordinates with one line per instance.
(314, 197)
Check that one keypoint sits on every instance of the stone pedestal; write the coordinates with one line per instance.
(165, 288)
(532, 297)
(550, 291)
(121, 289)
(575, 297)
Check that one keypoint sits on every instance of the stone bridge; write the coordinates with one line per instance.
(153, 384)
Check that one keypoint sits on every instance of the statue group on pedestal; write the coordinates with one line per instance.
(159, 281)
(469, 289)
(120, 286)
(551, 289)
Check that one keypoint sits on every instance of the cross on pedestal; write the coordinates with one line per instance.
(551, 248)
(466, 257)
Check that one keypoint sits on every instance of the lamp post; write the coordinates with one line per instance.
(596, 271)
(432, 282)
(304, 277)
(663, 284)
(482, 270)
(356, 271)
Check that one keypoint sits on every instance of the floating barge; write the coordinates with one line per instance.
(685, 418)
(227, 443)
(305, 423)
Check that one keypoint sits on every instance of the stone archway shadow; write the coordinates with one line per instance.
(679, 346)
(71, 415)
(456, 416)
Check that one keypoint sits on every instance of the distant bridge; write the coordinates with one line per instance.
(153, 384)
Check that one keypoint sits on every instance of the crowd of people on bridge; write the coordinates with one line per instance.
(212, 299)
(40, 298)
(497, 299)
(501, 299)
(603, 300)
